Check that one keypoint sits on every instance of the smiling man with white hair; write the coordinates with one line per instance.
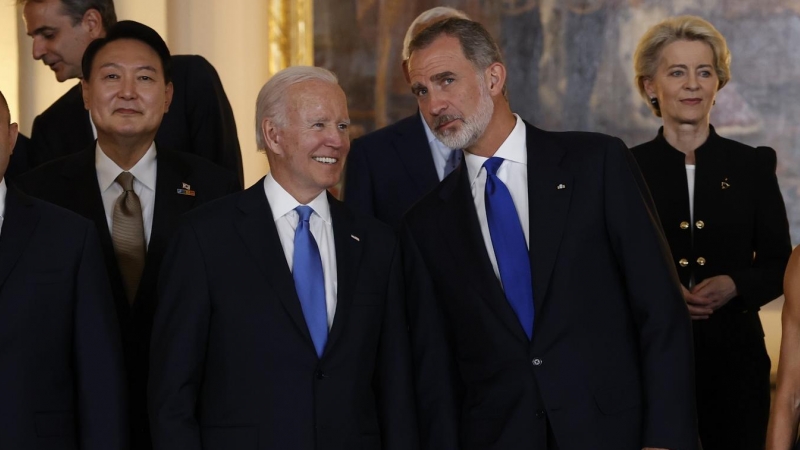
(281, 319)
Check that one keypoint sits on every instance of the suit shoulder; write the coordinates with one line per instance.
(58, 218)
(39, 179)
(381, 135)
(196, 163)
(68, 103)
(583, 140)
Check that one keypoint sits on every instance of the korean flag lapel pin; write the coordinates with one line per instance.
(186, 189)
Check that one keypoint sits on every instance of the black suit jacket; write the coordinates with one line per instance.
(388, 170)
(71, 182)
(610, 363)
(18, 164)
(61, 375)
(233, 364)
(200, 120)
(739, 229)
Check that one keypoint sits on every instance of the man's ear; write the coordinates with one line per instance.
(405, 71)
(87, 104)
(272, 136)
(495, 78)
(170, 89)
(92, 22)
(13, 131)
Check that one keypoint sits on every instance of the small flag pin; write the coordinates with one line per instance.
(561, 186)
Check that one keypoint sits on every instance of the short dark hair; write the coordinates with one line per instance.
(75, 9)
(128, 29)
(477, 44)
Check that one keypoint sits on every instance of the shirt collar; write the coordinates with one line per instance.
(3, 192)
(108, 170)
(514, 148)
(282, 202)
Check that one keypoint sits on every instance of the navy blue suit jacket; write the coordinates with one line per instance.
(200, 120)
(71, 182)
(388, 170)
(610, 364)
(232, 361)
(61, 373)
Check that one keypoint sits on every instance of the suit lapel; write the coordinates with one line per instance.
(412, 148)
(17, 230)
(549, 194)
(348, 259)
(259, 234)
(80, 174)
(458, 223)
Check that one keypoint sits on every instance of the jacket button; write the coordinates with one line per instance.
(684, 225)
(683, 262)
(701, 261)
(700, 224)
(537, 362)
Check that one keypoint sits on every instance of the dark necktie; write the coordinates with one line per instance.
(127, 235)
(453, 160)
(309, 280)
(509, 245)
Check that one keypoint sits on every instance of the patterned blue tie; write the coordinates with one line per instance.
(510, 249)
(309, 280)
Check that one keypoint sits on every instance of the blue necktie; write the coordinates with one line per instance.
(510, 249)
(309, 280)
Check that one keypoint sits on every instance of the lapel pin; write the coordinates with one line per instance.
(355, 238)
(186, 189)
(561, 186)
(725, 184)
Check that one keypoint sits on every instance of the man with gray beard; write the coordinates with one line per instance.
(544, 309)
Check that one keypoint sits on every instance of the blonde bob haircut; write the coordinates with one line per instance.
(680, 28)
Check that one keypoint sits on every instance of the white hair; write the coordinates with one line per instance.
(271, 101)
(426, 19)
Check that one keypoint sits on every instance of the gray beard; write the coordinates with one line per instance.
(473, 127)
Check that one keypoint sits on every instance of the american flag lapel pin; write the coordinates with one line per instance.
(561, 186)
(186, 189)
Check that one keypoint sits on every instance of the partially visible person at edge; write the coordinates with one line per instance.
(724, 218)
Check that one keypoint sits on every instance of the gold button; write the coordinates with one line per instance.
(700, 224)
(684, 225)
(683, 262)
(701, 261)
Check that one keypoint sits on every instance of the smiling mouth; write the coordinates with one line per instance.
(325, 159)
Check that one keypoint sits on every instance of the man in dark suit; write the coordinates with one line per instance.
(61, 373)
(388, 170)
(545, 311)
(281, 321)
(132, 187)
(200, 121)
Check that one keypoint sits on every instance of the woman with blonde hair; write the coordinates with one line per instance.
(723, 215)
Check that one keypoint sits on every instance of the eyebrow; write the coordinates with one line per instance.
(117, 66)
(42, 30)
(416, 86)
(684, 66)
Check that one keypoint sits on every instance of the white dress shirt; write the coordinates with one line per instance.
(144, 185)
(441, 153)
(286, 218)
(690, 171)
(3, 192)
(513, 173)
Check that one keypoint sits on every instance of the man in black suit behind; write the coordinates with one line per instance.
(545, 311)
(281, 322)
(61, 374)
(389, 169)
(200, 121)
(128, 88)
